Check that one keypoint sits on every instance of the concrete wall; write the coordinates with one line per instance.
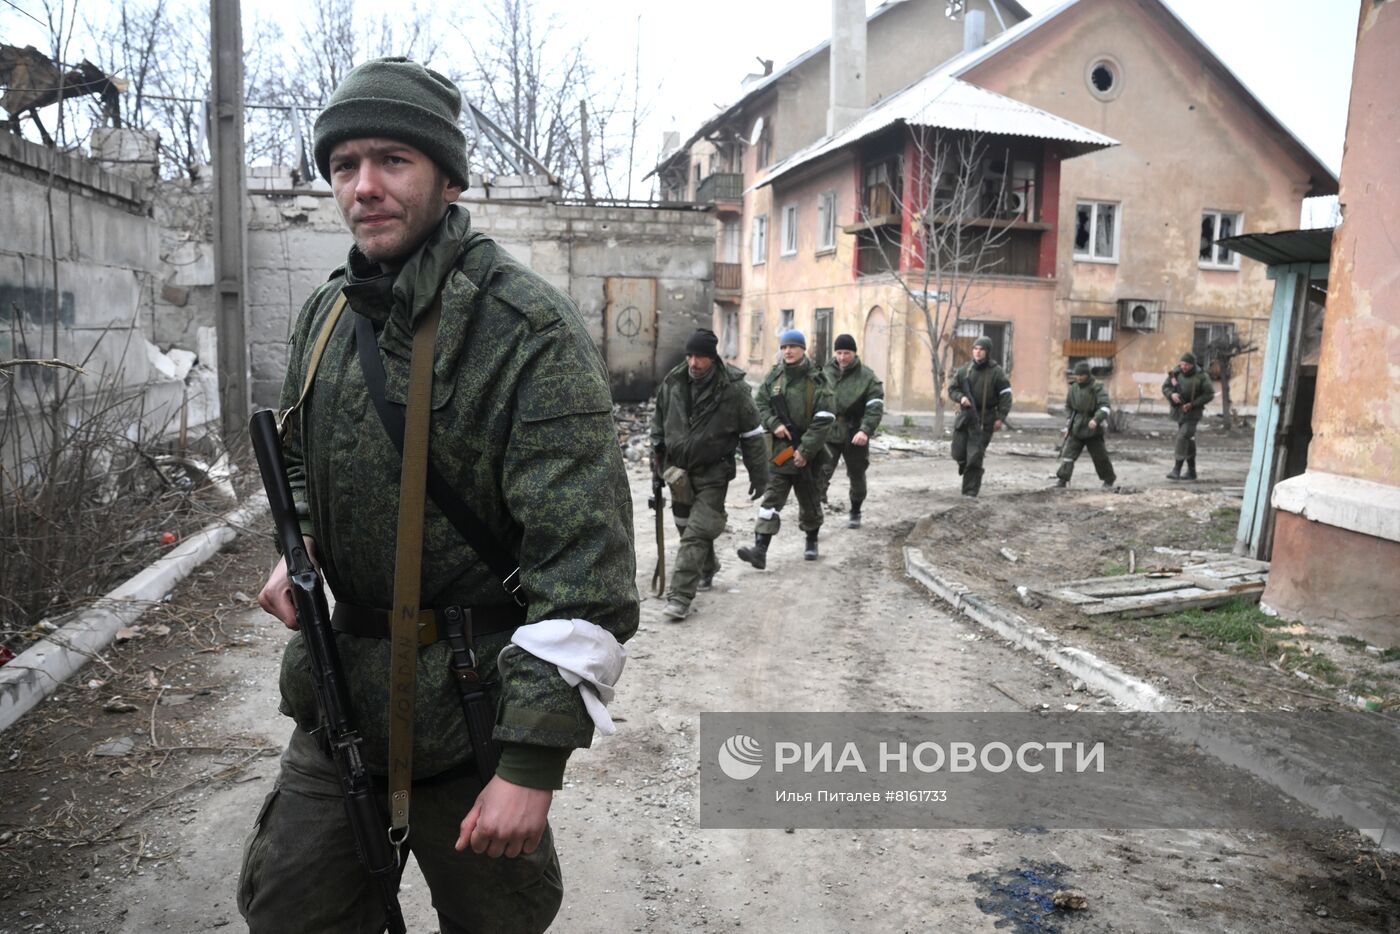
(109, 262)
(1188, 145)
(294, 241)
(1337, 537)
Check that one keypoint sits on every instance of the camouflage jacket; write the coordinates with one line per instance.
(699, 432)
(860, 399)
(522, 427)
(1196, 389)
(1084, 404)
(991, 393)
(810, 406)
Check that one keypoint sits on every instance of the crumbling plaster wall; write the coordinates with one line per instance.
(294, 242)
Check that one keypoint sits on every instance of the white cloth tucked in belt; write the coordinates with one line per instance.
(587, 655)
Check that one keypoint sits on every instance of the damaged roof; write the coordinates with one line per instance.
(945, 102)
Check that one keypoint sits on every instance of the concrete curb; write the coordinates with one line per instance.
(1322, 783)
(41, 668)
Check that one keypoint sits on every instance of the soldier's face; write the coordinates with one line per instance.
(844, 357)
(979, 354)
(1083, 378)
(390, 194)
(699, 366)
(792, 352)
(1188, 368)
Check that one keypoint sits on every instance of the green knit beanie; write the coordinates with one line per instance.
(395, 98)
(1188, 357)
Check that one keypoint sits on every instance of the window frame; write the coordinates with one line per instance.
(758, 240)
(787, 246)
(1213, 263)
(826, 222)
(756, 335)
(823, 323)
(1094, 206)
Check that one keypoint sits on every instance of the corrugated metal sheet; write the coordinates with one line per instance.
(945, 102)
(1283, 246)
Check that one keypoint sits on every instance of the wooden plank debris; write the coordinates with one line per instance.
(1189, 598)
(1203, 584)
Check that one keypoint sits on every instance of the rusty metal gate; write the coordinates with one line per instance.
(629, 337)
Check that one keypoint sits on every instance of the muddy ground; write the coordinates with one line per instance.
(132, 820)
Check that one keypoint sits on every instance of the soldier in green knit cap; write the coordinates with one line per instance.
(1188, 388)
(983, 394)
(1086, 405)
(521, 429)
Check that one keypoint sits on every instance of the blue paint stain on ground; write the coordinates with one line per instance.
(1020, 898)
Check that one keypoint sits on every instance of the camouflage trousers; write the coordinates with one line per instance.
(1186, 439)
(805, 484)
(857, 462)
(969, 448)
(700, 523)
(301, 875)
(1098, 451)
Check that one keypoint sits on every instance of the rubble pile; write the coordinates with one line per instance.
(633, 421)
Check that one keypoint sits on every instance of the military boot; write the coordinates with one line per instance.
(854, 521)
(810, 552)
(675, 610)
(1176, 472)
(1190, 469)
(757, 553)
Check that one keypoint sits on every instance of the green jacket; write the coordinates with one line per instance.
(991, 394)
(698, 430)
(522, 426)
(860, 399)
(810, 406)
(1086, 403)
(1196, 389)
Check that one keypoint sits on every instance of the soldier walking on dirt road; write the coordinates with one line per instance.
(983, 394)
(795, 404)
(860, 404)
(704, 412)
(1189, 389)
(1087, 407)
(520, 427)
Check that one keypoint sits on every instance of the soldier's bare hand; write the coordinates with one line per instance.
(1186, 407)
(782, 432)
(997, 425)
(860, 439)
(276, 595)
(798, 459)
(1093, 424)
(506, 820)
(1176, 398)
(965, 402)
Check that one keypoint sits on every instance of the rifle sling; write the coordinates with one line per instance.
(284, 419)
(487, 547)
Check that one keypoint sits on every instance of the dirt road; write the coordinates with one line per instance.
(847, 632)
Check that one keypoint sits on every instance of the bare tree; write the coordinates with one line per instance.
(960, 221)
(1223, 352)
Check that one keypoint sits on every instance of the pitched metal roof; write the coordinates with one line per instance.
(1283, 246)
(943, 101)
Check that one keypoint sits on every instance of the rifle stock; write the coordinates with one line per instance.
(658, 503)
(368, 828)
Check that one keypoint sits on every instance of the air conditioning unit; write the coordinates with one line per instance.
(1139, 314)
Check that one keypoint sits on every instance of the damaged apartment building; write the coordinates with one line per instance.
(1117, 151)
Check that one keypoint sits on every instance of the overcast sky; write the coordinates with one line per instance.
(1295, 55)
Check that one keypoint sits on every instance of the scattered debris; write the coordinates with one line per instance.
(1009, 555)
(1022, 899)
(1023, 593)
(127, 633)
(117, 705)
(1071, 899)
(116, 748)
(1156, 593)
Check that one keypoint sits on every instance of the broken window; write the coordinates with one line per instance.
(826, 221)
(998, 332)
(760, 239)
(785, 319)
(1208, 338)
(1217, 225)
(882, 188)
(765, 146)
(1096, 231)
(789, 229)
(731, 334)
(877, 251)
(821, 336)
(756, 335)
(1090, 329)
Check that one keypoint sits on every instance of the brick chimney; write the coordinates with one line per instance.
(848, 99)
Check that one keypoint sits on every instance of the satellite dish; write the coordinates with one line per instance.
(756, 132)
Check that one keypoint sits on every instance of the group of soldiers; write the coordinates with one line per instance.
(819, 416)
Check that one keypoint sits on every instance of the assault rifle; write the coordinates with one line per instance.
(974, 413)
(367, 826)
(658, 503)
(780, 408)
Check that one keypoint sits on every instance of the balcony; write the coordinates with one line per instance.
(723, 189)
(728, 282)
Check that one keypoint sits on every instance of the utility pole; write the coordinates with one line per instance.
(230, 239)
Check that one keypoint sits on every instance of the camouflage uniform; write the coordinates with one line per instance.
(1197, 390)
(522, 427)
(1085, 403)
(810, 405)
(860, 404)
(973, 427)
(697, 426)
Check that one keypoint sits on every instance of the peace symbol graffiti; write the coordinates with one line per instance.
(629, 321)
